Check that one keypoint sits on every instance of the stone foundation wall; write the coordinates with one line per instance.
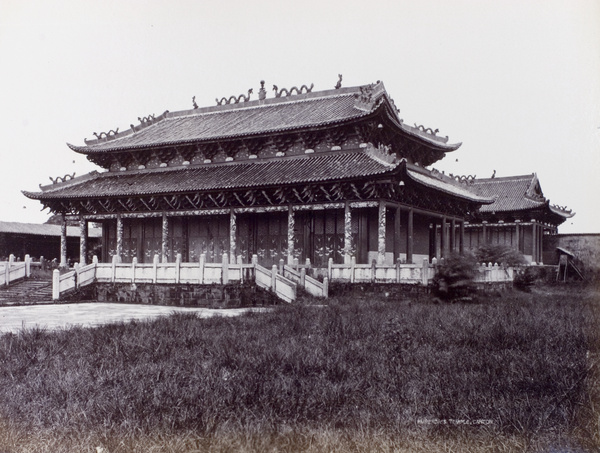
(209, 296)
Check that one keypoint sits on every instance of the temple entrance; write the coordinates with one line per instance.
(264, 235)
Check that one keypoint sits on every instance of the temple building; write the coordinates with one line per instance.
(520, 216)
(300, 174)
(43, 240)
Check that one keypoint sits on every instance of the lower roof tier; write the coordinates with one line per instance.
(346, 166)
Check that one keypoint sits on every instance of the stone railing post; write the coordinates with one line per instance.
(55, 284)
(225, 270)
(155, 262)
(76, 276)
(178, 268)
(27, 266)
(425, 272)
(273, 277)
(134, 263)
(113, 274)
(201, 268)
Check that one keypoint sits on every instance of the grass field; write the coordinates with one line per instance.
(518, 372)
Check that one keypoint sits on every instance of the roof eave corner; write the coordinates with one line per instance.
(31, 195)
(77, 149)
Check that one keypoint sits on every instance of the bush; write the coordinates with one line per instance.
(501, 254)
(455, 277)
(524, 279)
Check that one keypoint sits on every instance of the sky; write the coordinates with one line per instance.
(516, 82)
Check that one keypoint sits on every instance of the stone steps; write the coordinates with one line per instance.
(27, 291)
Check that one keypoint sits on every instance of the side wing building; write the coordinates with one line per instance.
(519, 217)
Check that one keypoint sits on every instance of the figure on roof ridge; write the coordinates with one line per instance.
(234, 100)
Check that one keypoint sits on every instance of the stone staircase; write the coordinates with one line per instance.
(26, 292)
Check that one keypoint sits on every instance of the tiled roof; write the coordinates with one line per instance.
(274, 115)
(44, 229)
(456, 189)
(244, 174)
(512, 193)
(338, 166)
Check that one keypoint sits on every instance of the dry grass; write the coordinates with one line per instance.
(516, 373)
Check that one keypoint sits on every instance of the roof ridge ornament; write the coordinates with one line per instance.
(427, 130)
(382, 154)
(233, 99)
(262, 93)
(109, 134)
(562, 208)
(468, 180)
(338, 85)
(365, 99)
(290, 92)
(60, 179)
(194, 102)
(147, 119)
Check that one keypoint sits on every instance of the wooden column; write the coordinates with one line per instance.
(444, 246)
(518, 235)
(119, 251)
(397, 232)
(381, 234)
(541, 244)
(165, 238)
(533, 241)
(347, 234)
(140, 249)
(232, 235)
(409, 237)
(290, 235)
(63, 241)
(83, 239)
(485, 241)
(453, 235)
(461, 243)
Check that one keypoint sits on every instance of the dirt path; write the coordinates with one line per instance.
(13, 319)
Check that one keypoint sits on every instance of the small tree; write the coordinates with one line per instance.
(455, 277)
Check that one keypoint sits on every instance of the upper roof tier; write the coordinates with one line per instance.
(306, 110)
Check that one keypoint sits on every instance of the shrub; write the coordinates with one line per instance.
(524, 279)
(455, 277)
(501, 254)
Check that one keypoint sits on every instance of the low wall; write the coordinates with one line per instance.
(182, 295)
(585, 247)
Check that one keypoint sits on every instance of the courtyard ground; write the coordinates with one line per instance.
(59, 316)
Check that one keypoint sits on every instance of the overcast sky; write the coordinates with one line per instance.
(517, 82)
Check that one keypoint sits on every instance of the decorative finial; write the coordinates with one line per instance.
(194, 102)
(494, 174)
(262, 93)
(338, 85)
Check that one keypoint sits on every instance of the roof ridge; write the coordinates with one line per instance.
(504, 178)
(256, 104)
